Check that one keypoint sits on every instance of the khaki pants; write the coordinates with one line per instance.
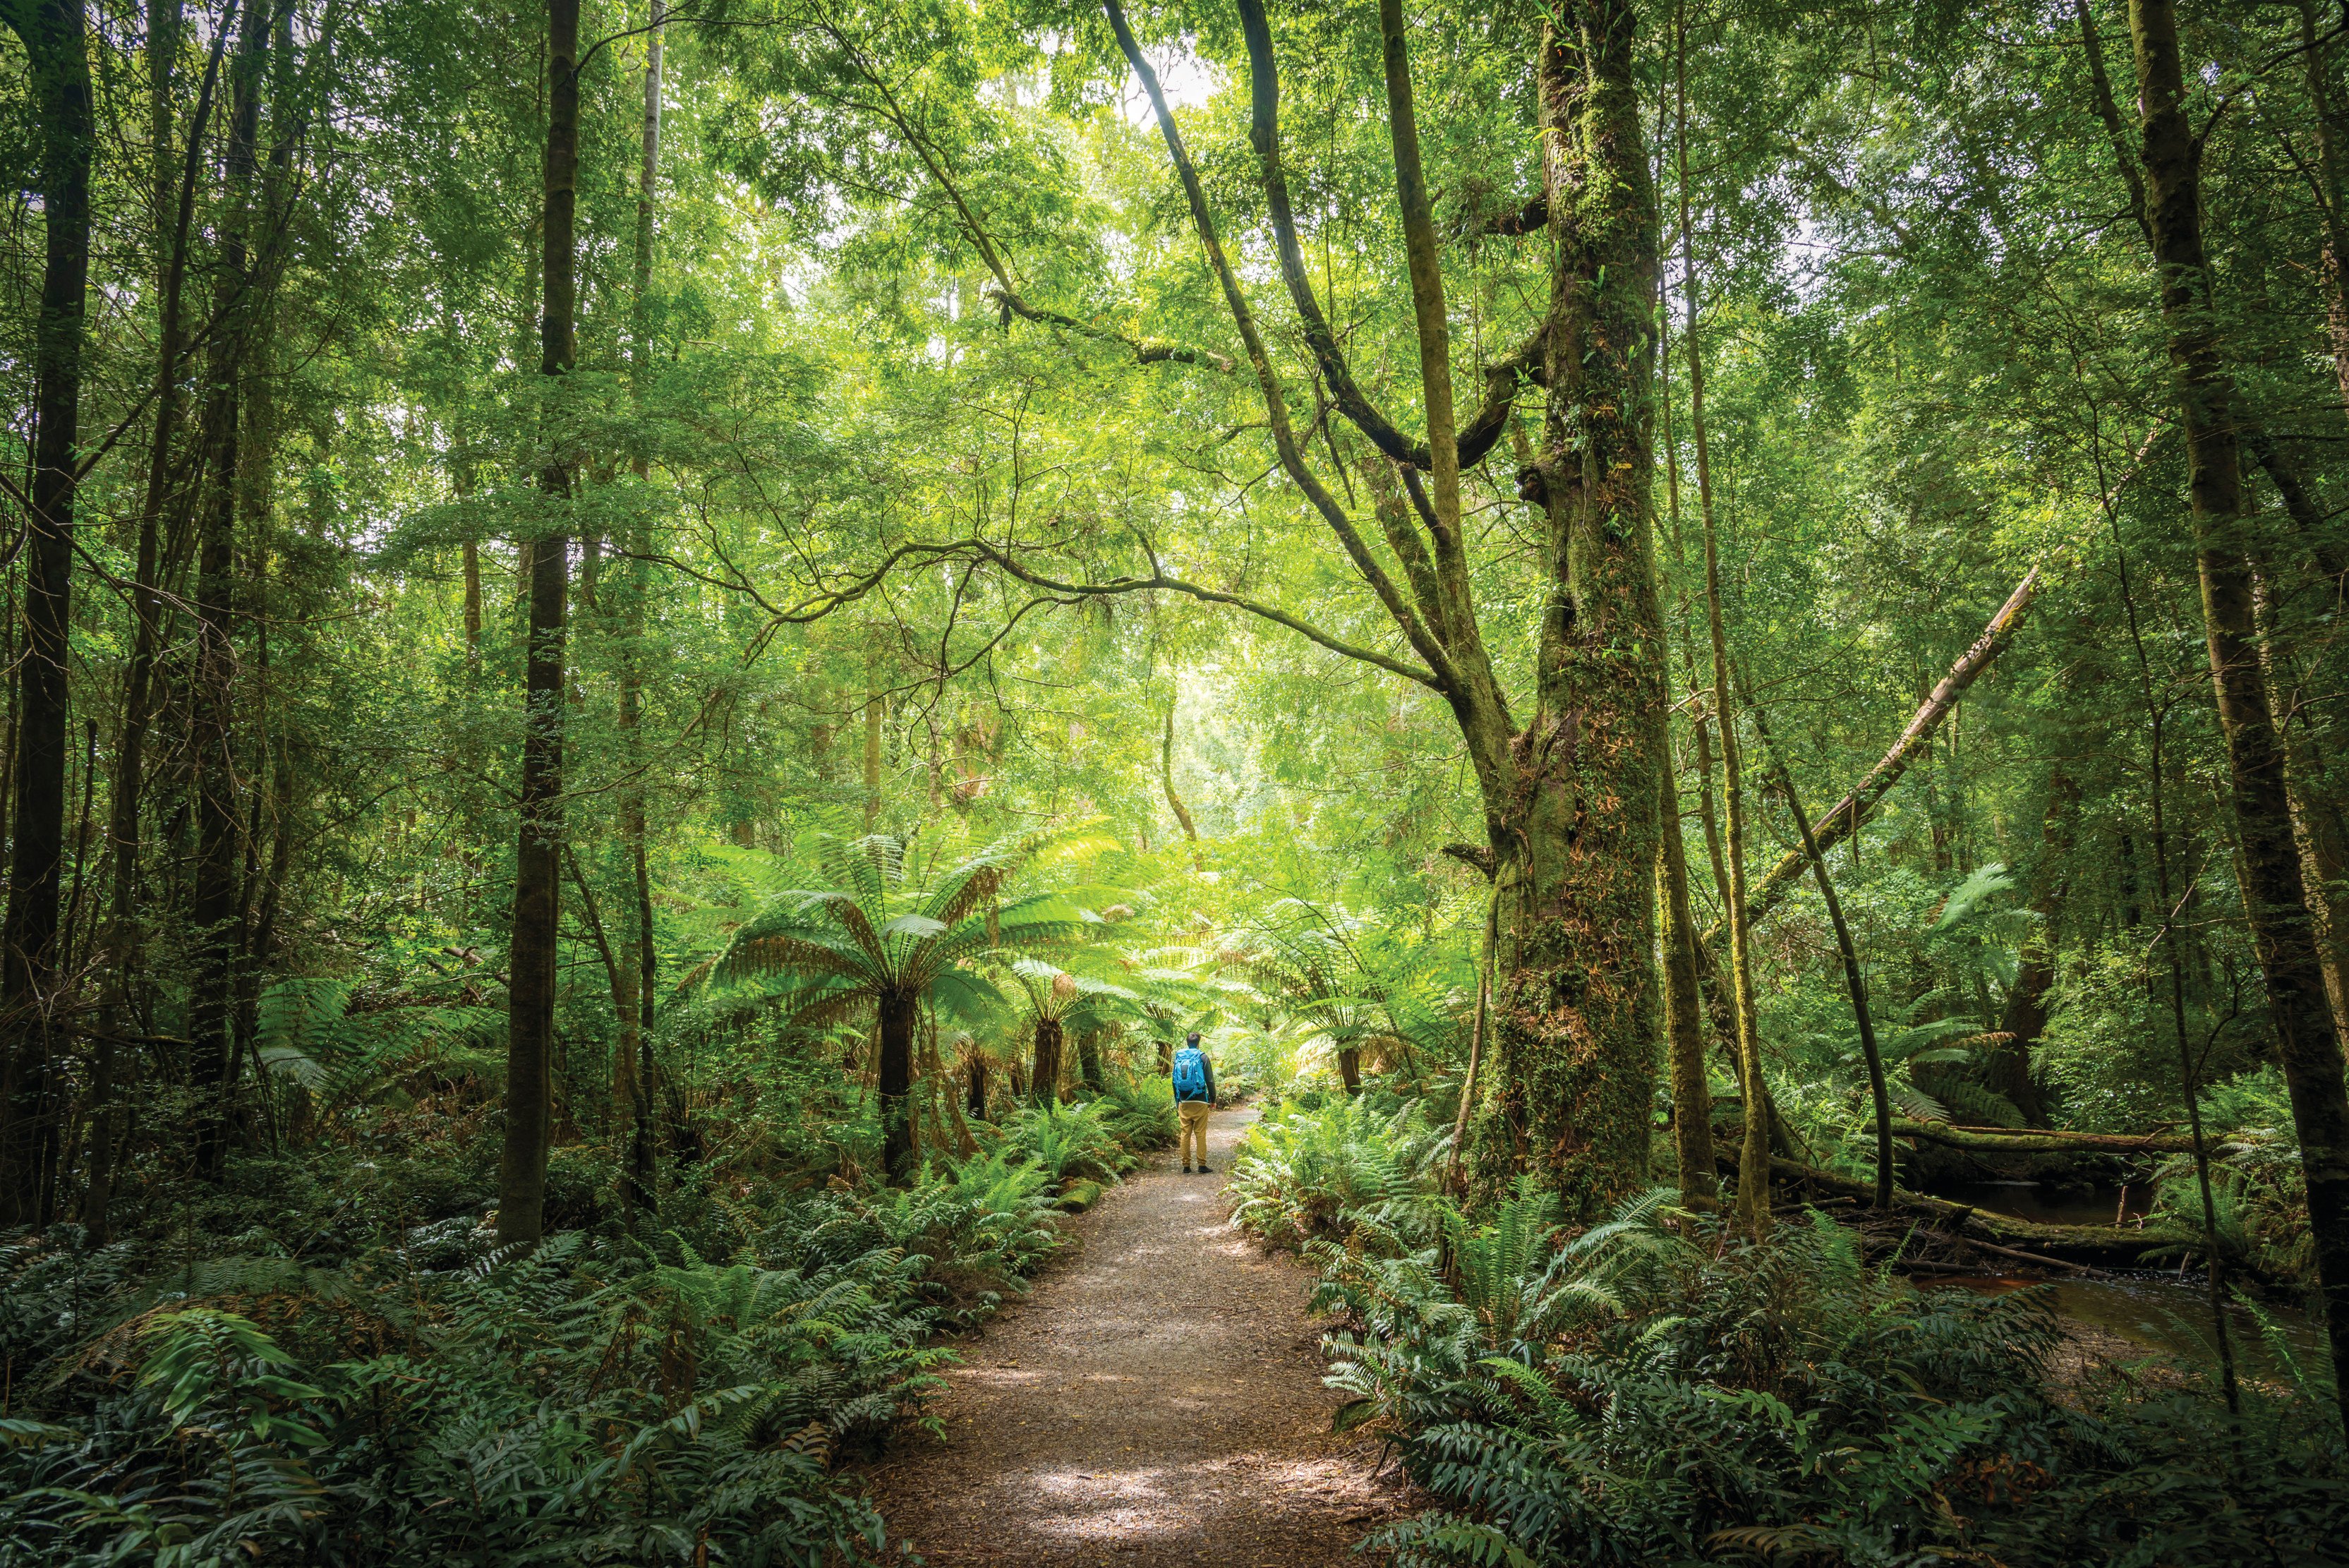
(1195, 1128)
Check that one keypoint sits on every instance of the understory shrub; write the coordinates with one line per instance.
(1139, 1114)
(1655, 1390)
(1067, 1141)
(331, 1363)
(564, 1406)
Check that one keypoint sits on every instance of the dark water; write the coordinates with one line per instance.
(2166, 1317)
(2048, 1205)
(2166, 1314)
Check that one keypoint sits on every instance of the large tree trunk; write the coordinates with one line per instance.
(530, 957)
(1046, 1073)
(896, 1087)
(55, 37)
(1576, 997)
(1571, 799)
(214, 904)
(2274, 896)
(977, 1096)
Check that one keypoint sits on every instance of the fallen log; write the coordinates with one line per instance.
(1844, 818)
(2024, 1239)
(1989, 1140)
(1981, 1246)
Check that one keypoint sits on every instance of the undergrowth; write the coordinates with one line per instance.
(328, 1361)
(1653, 1390)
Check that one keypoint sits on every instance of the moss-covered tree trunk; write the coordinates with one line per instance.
(2276, 900)
(1577, 1009)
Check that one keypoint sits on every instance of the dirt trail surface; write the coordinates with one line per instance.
(1157, 1400)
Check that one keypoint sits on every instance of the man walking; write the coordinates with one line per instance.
(1194, 1097)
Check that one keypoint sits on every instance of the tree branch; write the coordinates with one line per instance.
(1444, 679)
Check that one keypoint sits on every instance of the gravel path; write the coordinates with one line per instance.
(1157, 1400)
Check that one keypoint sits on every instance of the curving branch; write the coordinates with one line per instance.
(1004, 561)
(1502, 378)
(1843, 818)
(1146, 350)
(1440, 676)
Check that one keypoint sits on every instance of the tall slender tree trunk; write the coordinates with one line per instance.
(1754, 1154)
(2275, 898)
(54, 36)
(1855, 979)
(174, 199)
(631, 1074)
(125, 932)
(1684, 1014)
(530, 957)
(212, 907)
(2188, 1078)
(1683, 989)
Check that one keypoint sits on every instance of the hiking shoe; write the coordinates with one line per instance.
(1186, 1171)
(1206, 1170)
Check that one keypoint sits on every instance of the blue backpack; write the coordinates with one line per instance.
(1190, 1074)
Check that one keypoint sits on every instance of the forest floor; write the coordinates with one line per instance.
(1157, 1400)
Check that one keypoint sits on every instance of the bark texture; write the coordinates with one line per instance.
(215, 908)
(894, 1086)
(531, 954)
(1046, 1073)
(54, 36)
(2274, 896)
(1578, 1009)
